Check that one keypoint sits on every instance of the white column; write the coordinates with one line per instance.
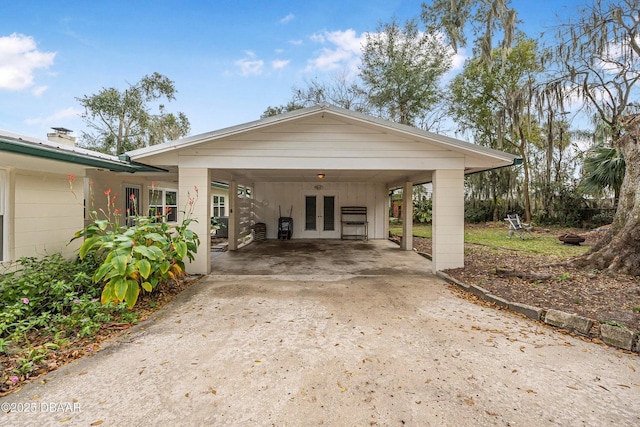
(189, 180)
(448, 219)
(407, 217)
(384, 192)
(233, 215)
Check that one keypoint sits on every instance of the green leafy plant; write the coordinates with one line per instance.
(611, 323)
(4, 344)
(139, 256)
(422, 211)
(40, 293)
(216, 223)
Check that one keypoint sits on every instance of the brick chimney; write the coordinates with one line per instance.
(62, 136)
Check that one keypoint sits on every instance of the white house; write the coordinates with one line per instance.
(45, 193)
(314, 161)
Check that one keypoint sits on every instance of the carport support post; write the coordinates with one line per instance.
(448, 219)
(233, 216)
(189, 180)
(407, 217)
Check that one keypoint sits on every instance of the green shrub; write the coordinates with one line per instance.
(603, 218)
(422, 211)
(480, 211)
(50, 293)
(139, 256)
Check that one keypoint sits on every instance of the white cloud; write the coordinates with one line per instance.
(343, 53)
(249, 66)
(458, 60)
(19, 58)
(279, 64)
(296, 42)
(287, 18)
(39, 90)
(56, 118)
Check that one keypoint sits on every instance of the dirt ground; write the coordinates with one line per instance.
(377, 350)
(597, 295)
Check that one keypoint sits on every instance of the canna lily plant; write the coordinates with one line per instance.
(141, 256)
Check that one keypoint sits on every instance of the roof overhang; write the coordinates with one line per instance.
(20, 145)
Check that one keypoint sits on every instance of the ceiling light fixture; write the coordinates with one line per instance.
(320, 175)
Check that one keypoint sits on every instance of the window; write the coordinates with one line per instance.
(131, 204)
(163, 203)
(218, 206)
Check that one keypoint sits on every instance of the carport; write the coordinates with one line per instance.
(320, 259)
(313, 161)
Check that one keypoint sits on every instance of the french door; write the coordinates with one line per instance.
(320, 213)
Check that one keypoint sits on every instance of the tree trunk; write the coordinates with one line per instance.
(619, 250)
(525, 181)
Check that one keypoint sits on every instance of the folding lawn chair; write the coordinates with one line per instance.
(516, 227)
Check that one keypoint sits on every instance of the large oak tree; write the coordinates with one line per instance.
(601, 53)
(401, 71)
(125, 120)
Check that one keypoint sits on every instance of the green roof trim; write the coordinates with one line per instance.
(30, 148)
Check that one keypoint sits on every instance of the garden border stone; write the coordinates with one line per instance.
(619, 337)
(573, 322)
(530, 311)
(500, 302)
(614, 336)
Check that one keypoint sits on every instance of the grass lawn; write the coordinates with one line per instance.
(544, 241)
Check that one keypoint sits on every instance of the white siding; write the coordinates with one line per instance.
(190, 180)
(448, 220)
(275, 198)
(319, 143)
(45, 214)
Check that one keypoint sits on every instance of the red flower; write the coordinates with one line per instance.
(71, 177)
(107, 192)
(195, 187)
(132, 196)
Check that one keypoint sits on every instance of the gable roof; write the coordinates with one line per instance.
(505, 159)
(33, 147)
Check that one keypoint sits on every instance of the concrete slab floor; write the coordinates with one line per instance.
(342, 349)
(322, 257)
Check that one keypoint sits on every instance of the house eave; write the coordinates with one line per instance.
(40, 149)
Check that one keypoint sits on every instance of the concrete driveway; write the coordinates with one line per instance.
(342, 334)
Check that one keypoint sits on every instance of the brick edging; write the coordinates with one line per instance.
(614, 336)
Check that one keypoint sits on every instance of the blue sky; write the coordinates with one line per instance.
(229, 60)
